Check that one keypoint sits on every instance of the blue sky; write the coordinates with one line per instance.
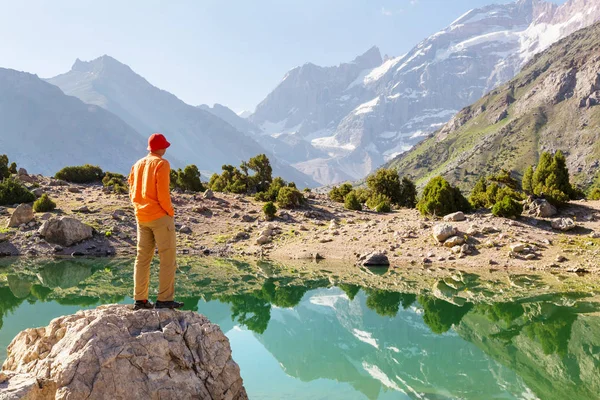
(215, 51)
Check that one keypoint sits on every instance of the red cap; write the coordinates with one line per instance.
(157, 141)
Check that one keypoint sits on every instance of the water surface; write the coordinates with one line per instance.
(311, 339)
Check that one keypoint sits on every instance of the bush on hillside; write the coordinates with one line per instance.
(13, 192)
(44, 204)
(401, 192)
(115, 181)
(338, 194)
(508, 207)
(551, 179)
(383, 207)
(351, 202)
(376, 199)
(273, 190)
(439, 198)
(290, 198)
(594, 194)
(4, 170)
(527, 181)
(187, 179)
(269, 210)
(81, 174)
(13, 168)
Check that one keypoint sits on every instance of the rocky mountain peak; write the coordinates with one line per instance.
(369, 59)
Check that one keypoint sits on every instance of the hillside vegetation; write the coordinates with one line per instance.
(553, 104)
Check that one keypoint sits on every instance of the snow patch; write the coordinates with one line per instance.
(367, 107)
(378, 374)
(365, 337)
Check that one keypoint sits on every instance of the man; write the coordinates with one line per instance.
(149, 190)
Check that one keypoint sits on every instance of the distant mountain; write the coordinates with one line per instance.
(44, 130)
(197, 135)
(553, 104)
(365, 113)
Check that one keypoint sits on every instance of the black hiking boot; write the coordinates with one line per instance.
(169, 304)
(143, 305)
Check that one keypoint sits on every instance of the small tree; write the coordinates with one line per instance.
(507, 208)
(44, 204)
(189, 179)
(4, 170)
(408, 194)
(351, 202)
(527, 182)
(383, 207)
(13, 192)
(551, 179)
(376, 199)
(440, 198)
(594, 194)
(387, 182)
(13, 168)
(269, 210)
(478, 197)
(263, 176)
(290, 198)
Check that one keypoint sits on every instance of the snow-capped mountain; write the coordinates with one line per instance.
(364, 113)
(199, 137)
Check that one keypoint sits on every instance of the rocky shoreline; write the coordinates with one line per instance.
(227, 225)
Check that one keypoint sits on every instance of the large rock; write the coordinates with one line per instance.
(540, 208)
(563, 224)
(441, 232)
(376, 259)
(114, 352)
(65, 231)
(23, 214)
(457, 216)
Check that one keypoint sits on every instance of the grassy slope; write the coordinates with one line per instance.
(482, 146)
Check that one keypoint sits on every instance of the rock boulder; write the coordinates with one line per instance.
(115, 352)
(563, 224)
(441, 232)
(376, 259)
(457, 216)
(23, 214)
(65, 231)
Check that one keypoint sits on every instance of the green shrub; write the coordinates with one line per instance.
(115, 181)
(338, 194)
(351, 202)
(479, 197)
(13, 168)
(376, 199)
(290, 198)
(307, 190)
(44, 204)
(401, 192)
(408, 197)
(189, 179)
(440, 198)
(363, 194)
(263, 174)
(270, 210)
(13, 192)
(80, 174)
(273, 191)
(527, 182)
(594, 194)
(4, 170)
(551, 178)
(507, 208)
(383, 207)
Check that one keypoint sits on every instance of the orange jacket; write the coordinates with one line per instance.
(149, 189)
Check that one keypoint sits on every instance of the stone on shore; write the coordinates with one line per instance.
(457, 216)
(441, 232)
(454, 241)
(23, 214)
(65, 231)
(376, 259)
(115, 352)
(563, 224)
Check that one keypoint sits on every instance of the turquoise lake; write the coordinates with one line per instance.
(323, 341)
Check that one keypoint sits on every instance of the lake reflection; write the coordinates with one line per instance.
(315, 341)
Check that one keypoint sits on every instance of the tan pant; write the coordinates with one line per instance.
(158, 233)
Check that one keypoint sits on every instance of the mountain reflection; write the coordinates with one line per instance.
(379, 342)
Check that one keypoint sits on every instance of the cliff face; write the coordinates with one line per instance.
(114, 352)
